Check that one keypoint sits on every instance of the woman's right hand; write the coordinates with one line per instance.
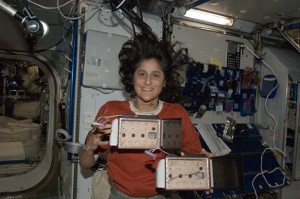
(99, 133)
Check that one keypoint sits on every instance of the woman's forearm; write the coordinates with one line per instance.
(86, 158)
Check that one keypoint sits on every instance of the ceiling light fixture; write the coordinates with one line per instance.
(208, 17)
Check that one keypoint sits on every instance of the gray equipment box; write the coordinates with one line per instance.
(101, 62)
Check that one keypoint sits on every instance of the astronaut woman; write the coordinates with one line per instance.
(148, 73)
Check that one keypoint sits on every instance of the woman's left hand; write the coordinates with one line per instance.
(208, 154)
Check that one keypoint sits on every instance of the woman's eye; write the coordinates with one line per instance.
(141, 74)
(156, 75)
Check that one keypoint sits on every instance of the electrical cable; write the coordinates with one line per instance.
(132, 16)
(139, 6)
(100, 90)
(274, 131)
(142, 24)
(50, 8)
(58, 7)
(67, 17)
(127, 16)
(118, 6)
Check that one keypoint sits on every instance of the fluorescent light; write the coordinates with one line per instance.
(208, 17)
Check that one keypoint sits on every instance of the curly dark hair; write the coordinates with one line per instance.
(147, 46)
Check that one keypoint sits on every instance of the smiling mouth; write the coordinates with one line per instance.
(147, 89)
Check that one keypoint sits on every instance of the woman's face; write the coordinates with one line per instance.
(148, 81)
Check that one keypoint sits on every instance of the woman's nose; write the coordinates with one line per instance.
(148, 79)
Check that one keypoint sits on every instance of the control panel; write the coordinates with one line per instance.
(233, 54)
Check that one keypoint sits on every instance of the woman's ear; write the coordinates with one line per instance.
(165, 83)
